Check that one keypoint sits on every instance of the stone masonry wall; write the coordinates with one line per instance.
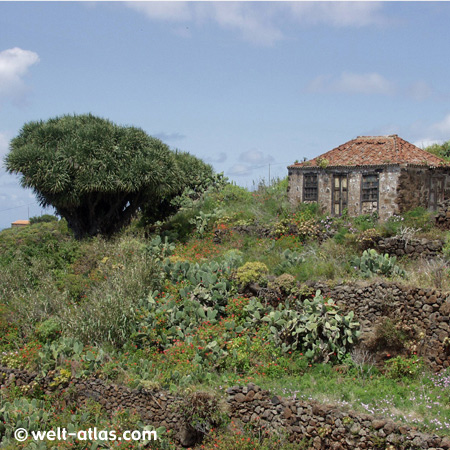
(322, 426)
(425, 310)
(443, 215)
(388, 181)
(414, 248)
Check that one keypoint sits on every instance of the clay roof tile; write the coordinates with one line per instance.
(375, 150)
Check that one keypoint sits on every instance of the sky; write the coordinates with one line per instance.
(249, 87)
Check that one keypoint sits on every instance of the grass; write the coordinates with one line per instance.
(423, 402)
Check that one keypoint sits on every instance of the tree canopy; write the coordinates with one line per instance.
(441, 150)
(96, 174)
(194, 177)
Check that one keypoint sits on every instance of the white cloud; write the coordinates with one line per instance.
(353, 83)
(340, 14)
(220, 158)
(255, 157)
(262, 23)
(240, 170)
(443, 127)
(424, 143)
(14, 65)
(436, 133)
(168, 137)
(166, 11)
(254, 24)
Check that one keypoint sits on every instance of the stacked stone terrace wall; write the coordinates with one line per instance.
(325, 427)
(320, 426)
(426, 310)
(414, 248)
(443, 215)
(159, 408)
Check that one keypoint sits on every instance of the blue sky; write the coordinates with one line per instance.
(243, 85)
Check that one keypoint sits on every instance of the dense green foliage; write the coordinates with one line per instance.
(94, 173)
(441, 150)
(214, 297)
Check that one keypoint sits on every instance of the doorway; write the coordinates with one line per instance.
(340, 194)
(436, 192)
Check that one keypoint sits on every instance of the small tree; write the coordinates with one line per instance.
(94, 173)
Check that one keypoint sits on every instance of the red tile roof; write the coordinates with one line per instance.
(375, 150)
(21, 222)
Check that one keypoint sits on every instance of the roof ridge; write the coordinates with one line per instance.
(395, 142)
(376, 150)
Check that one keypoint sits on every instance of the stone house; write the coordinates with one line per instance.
(383, 174)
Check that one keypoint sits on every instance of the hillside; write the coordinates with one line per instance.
(237, 293)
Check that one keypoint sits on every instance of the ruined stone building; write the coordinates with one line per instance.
(385, 174)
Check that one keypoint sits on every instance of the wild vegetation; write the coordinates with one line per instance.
(212, 296)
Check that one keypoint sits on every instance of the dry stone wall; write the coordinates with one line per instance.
(425, 310)
(322, 426)
(159, 408)
(318, 426)
(414, 248)
(443, 215)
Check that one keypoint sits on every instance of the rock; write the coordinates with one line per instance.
(188, 437)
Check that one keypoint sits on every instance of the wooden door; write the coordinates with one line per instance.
(436, 192)
(340, 194)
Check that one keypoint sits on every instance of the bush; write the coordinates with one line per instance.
(418, 217)
(43, 218)
(200, 412)
(390, 335)
(252, 272)
(400, 367)
(49, 330)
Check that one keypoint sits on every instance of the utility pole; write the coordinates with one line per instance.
(269, 174)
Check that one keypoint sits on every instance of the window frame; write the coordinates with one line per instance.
(309, 187)
(370, 190)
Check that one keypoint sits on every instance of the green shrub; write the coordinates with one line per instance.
(48, 330)
(418, 217)
(285, 283)
(43, 218)
(400, 367)
(252, 272)
(365, 221)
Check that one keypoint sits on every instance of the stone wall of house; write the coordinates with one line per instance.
(354, 193)
(388, 185)
(325, 181)
(415, 184)
(413, 189)
(424, 311)
(388, 180)
(321, 426)
(295, 186)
